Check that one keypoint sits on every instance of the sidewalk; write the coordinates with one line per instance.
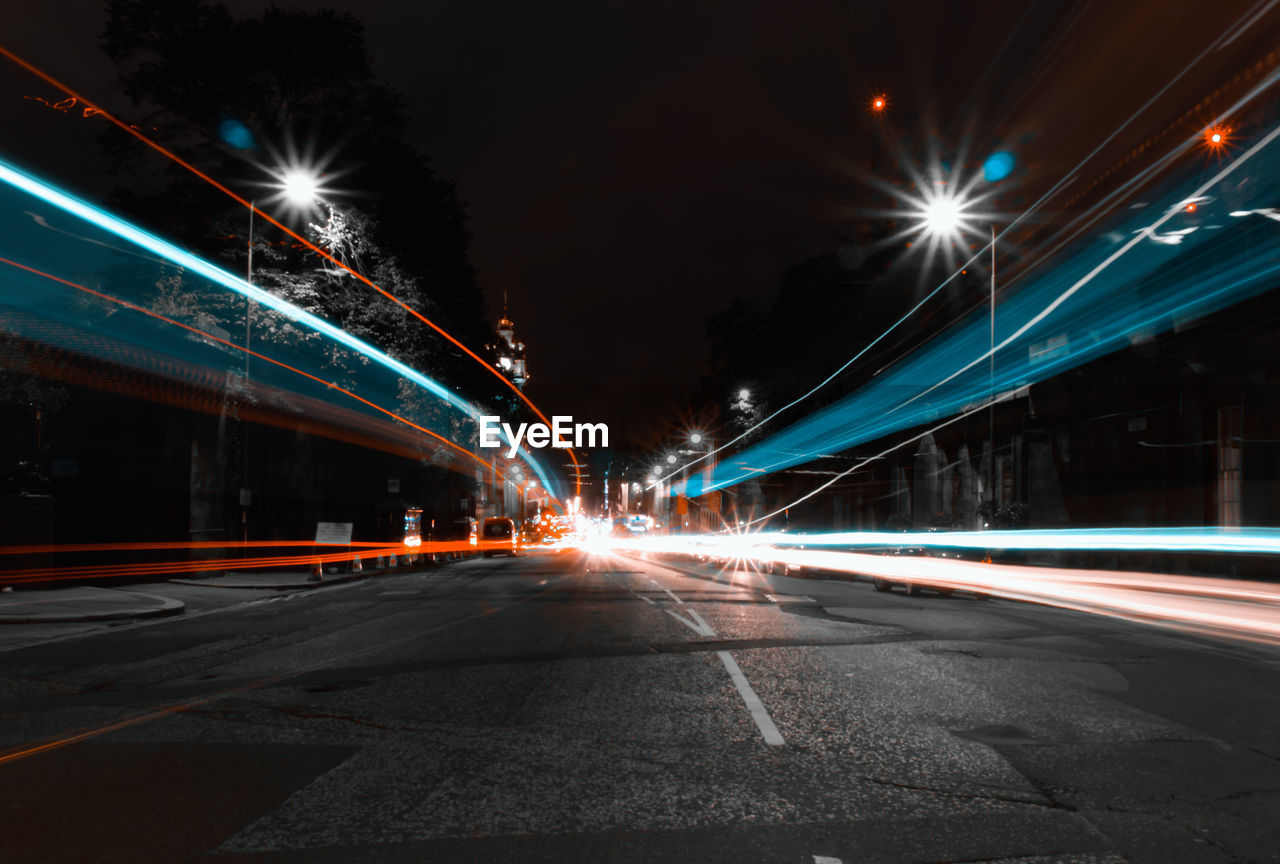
(83, 603)
(275, 580)
(86, 603)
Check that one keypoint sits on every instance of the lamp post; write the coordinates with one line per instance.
(299, 189)
(944, 216)
(699, 443)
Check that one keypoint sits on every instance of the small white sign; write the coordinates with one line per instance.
(393, 486)
(336, 533)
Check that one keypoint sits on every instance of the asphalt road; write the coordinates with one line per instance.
(580, 708)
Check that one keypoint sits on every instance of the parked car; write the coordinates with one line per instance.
(914, 589)
(500, 537)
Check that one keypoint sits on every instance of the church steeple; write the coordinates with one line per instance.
(509, 353)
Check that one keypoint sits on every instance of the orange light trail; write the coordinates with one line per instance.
(193, 388)
(249, 351)
(49, 79)
(169, 568)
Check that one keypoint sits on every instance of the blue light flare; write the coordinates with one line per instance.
(998, 166)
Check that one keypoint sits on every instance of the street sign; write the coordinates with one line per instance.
(334, 533)
(393, 486)
(246, 497)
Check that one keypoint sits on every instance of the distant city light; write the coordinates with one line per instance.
(1216, 137)
(879, 103)
(744, 394)
(695, 437)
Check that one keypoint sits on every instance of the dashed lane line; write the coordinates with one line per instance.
(759, 713)
(772, 736)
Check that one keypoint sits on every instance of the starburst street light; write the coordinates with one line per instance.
(1217, 138)
(301, 188)
(943, 207)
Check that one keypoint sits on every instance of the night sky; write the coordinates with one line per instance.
(629, 168)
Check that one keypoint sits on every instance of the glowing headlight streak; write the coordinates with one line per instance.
(1218, 608)
(131, 233)
(136, 133)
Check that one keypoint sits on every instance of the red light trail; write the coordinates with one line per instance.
(46, 77)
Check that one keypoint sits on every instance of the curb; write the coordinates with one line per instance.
(166, 608)
(296, 586)
(281, 586)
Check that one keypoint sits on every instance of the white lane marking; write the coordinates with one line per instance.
(705, 625)
(702, 628)
(758, 713)
(673, 596)
(645, 599)
(395, 593)
(788, 598)
(823, 859)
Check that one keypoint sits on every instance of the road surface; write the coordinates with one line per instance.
(596, 708)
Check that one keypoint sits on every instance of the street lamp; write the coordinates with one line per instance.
(300, 188)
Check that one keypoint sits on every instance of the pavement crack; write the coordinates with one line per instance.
(1041, 799)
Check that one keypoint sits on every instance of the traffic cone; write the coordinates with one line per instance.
(356, 566)
(316, 573)
(381, 562)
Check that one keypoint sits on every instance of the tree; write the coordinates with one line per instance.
(301, 85)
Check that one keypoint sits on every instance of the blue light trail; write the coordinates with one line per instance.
(1142, 277)
(97, 257)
